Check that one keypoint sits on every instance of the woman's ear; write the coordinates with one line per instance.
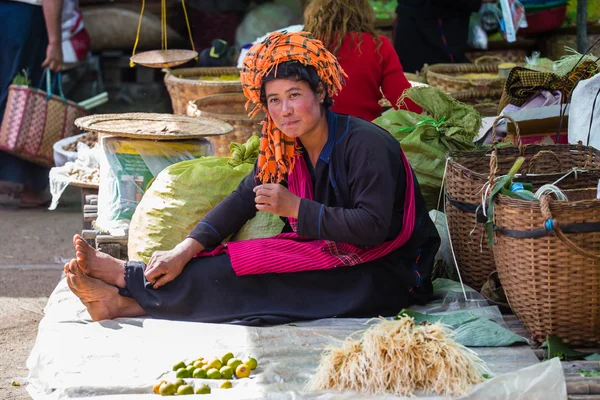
(321, 93)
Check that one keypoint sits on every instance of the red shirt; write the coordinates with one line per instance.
(367, 72)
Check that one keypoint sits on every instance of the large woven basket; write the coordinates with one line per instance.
(484, 101)
(466, 174)
(230, 108)
(448, 77)
(184, 85)
(506, 55)
(548, 258)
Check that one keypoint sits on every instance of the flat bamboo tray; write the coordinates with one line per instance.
(153, 126)
(163, 58)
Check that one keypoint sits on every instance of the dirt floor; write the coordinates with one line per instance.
(33, 243)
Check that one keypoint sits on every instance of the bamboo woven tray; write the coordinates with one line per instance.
(153, 126)
(450, 77)
(163, 58)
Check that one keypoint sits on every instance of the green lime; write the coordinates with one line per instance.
(167, 389)
(213, 373)
(226, 385)
(182, 373)
(226, 358)
(198, 364)
(178, 382)
(233, 363)
(185, 389)
(226, 372)
(180, 364)
(199, 373)
(204, 389)
(251, 363)
(215, 363)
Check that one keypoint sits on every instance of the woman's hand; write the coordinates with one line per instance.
(276, 199)
(54, 57)
(164, 266)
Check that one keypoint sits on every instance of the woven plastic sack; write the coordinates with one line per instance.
(35, 119)
(127, 169)
(183, 193)
(426, 139)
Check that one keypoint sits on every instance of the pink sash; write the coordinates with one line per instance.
(288, 252)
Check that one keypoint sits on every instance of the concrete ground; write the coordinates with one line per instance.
(33, 245)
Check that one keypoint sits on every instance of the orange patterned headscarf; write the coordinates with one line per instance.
(277, 151)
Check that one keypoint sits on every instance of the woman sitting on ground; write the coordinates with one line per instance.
(358, 242)
(346, 28)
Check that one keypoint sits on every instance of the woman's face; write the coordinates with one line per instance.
(293, 106)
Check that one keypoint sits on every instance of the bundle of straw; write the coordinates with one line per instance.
(400, 357)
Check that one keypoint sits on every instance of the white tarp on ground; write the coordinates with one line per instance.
(74, 358)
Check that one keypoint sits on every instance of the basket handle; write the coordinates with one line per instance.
(552, 225)
(494, 157)
(517, 132)
(540, 153)
(483, 59)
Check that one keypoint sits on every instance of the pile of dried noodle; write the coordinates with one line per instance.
(400, 357)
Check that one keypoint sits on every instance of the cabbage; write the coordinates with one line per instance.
(183, 193)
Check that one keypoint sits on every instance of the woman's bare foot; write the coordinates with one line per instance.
(99, 265)
(101, 299)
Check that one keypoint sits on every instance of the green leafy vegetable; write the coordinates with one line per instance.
(555, 347)
(588, 374)
(21, 79)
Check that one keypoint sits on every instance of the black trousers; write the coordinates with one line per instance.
(208, 290)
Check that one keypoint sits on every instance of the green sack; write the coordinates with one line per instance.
(184, 193)
(426, 139)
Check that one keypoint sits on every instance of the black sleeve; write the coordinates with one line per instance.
(227, 217)
(373, 170)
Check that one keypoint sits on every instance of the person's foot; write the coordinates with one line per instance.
(101, 299)
(99, 265)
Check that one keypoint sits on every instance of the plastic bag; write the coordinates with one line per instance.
(477, 37)
(513, 18)
(425, 139)
(584, 113)
(489, 16)
(129, 166)
(183, 193)
(444, 266)
(84, 169)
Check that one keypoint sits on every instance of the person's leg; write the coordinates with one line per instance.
(208, 290)
(418, 41)
(23, 42)
(101, 299)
